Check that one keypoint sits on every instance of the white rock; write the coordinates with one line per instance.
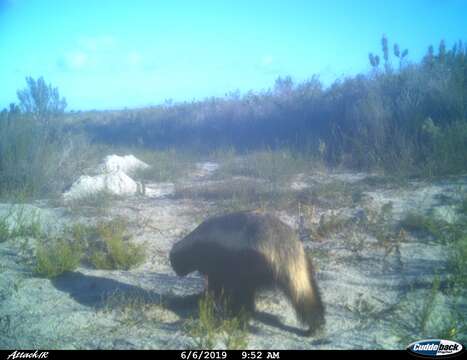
(117, 183)
(127, 164)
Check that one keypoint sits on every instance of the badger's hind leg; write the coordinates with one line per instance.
(242, 300)
(233, 296)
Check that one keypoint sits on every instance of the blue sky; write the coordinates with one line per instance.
(113, 54)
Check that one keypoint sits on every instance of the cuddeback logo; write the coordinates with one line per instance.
(435, 347)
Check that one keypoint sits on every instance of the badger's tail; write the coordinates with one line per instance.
(300, 285)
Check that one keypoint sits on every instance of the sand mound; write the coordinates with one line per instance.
(112, 177)
(127, 164)
(116, 183)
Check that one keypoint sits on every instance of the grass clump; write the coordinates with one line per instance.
(133, 308)
(212, 328)
(56, 257)
(18, 222)
(105, 246)
(458, 264)
(452, 286)
(114, 251)
(26, 224)
(4, 228)
(164, 165)
(275, 166)
(426, 224)
(99, 201)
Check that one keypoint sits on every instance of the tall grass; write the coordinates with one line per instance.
(36, 160)
(216, 328)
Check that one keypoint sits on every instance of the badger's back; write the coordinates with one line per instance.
(240, 230)
(249, 234)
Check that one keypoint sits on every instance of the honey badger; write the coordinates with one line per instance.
(242, 252)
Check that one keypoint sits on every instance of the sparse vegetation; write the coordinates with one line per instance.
(105, 246)
(37, 156)
(215, 328)
(169, 165)
(427, 224)
(57, 256)
(274, 166)
(20, 222)
(114, 251)
(453, 237)
(4, 228)
(136, 308)
(98, 202)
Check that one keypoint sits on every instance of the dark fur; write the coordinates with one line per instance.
(242, 252)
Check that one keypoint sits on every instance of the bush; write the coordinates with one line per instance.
(212, 327)
(56, 257)
(115, 251)
(37, 155)
(18, 222)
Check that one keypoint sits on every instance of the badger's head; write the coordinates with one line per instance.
(182, 258)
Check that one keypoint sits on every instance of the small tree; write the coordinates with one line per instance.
(283, 86)
(41, 100)
(374, 60)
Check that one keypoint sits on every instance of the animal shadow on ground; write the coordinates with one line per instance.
(93, 291)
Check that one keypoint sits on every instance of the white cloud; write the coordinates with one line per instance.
(266, 60)
(103, 54)
(76, 60)
(88, 51)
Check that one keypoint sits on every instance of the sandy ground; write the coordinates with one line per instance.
(375, 292)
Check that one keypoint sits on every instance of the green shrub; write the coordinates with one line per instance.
(38, 156)
(33, 162)
(27, 224)
(214, 326)
(114, 250)
(56, 257)
(427, 224)
(18, 222)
